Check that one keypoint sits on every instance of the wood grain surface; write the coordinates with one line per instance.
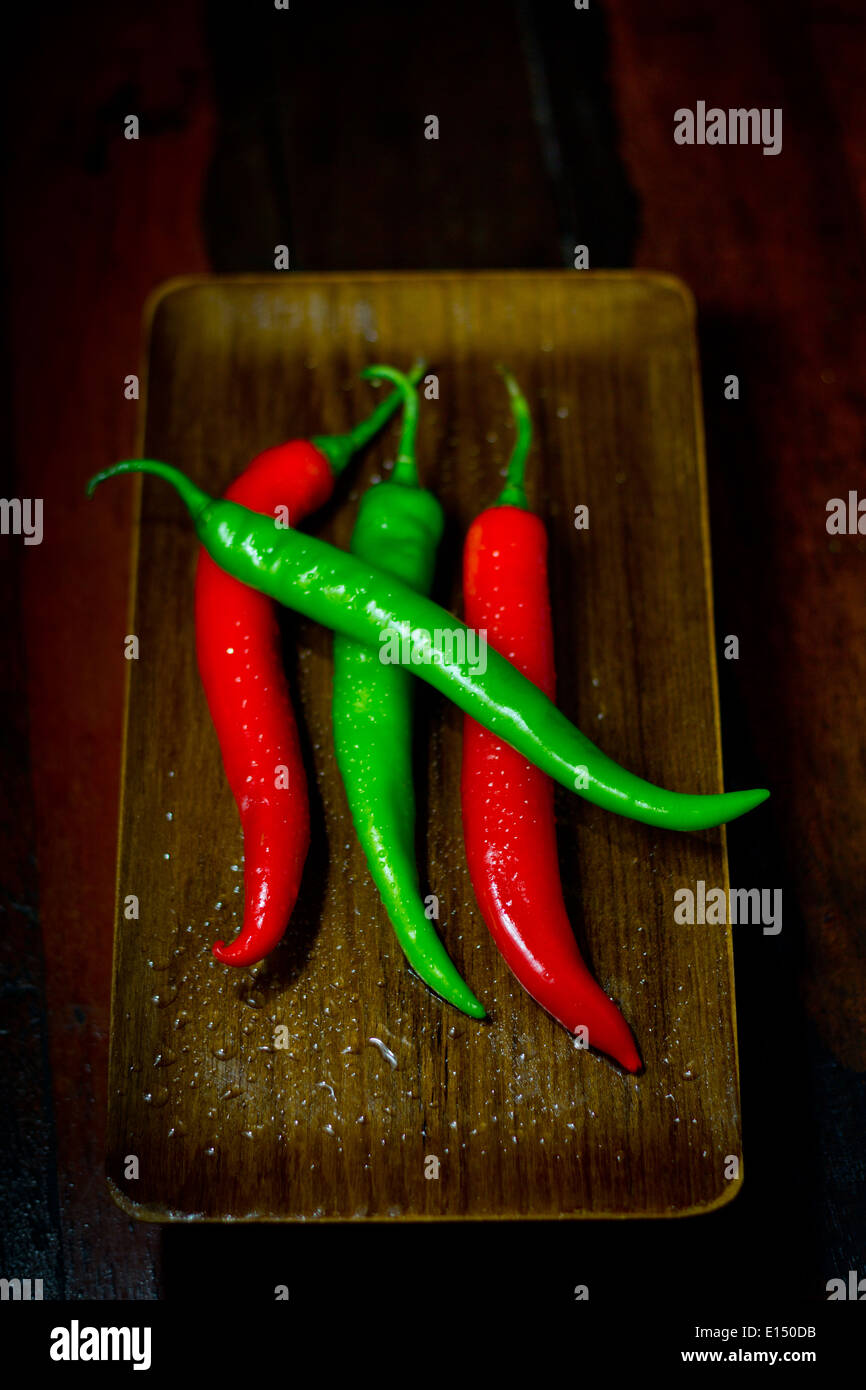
(226, 1126)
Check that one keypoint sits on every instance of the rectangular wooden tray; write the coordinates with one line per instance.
(223, 1125)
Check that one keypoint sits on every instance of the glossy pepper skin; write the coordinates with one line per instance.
(240, 662)
(398, 529)
(508, 814)
(342, 592)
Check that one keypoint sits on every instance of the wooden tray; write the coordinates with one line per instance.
(225, 1127)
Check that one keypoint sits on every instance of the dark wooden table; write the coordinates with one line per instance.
(306, 127)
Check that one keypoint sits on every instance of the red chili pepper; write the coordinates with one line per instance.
(508, 813)
(239, 658)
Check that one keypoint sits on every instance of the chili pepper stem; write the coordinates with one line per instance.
(405, 468)
(197, 502)
(339, 448)
(514, 493)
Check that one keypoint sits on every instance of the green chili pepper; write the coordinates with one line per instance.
(398, 529)
(342, 592)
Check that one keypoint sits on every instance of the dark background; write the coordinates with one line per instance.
(556, 127)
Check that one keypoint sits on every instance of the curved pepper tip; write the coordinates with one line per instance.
(234, 954)
(615, 1042)
(455, 992)
(742, 802)
(684, 811)
(629, 1059)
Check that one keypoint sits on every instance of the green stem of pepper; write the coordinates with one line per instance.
(196, 501)
(339, 448)
(405, 466)
(514, 493)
